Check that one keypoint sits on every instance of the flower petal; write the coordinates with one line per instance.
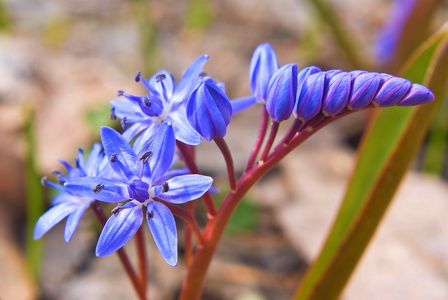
(162, 149)
(126, 108)
(188, 81)
(73, 220)
(119, 229)
(185, 188)
(163, 82)
(107, 190)
(126, 162)
(182, 128)
(163, 229)
(53, 216)
(242, 103)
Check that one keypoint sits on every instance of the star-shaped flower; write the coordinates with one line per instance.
(164, 102)
(147, 181)
(67, 203)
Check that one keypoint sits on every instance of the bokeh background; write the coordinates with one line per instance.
(61, 62)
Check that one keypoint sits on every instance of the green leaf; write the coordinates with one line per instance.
(34, 196)
(387, 150)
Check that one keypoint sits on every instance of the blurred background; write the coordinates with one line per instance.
(61, 62)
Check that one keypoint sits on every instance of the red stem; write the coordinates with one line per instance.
(99, 213)
(191, 165)
(193, 283)
(260, 138)
(141, 256)
(272, 135)
(188, 218)
(221, 143)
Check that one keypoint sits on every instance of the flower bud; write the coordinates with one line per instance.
(364, 88)
(282, 91)
(209, 109)
(262, 66)
(337, 93)
(391, 91)
(418, 94)
(304, 74)
(309, 99)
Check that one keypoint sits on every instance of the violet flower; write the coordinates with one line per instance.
(146, 181)
(164, 102)
(67, 203)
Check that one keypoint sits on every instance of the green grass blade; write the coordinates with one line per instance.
(34, 197)
(386, 137)
(341, 34)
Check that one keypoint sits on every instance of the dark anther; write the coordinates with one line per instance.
(145, 156)
(149, 215)
(98, 188)
(123, 123)
(120, 93)
(80, 150)
(112, 114)
(165, 187)
(59, 176)
(117, 209)
(147, 101)
(160, 77)
(202, 74)
(113, 158)
(77, 163)
(137, 76)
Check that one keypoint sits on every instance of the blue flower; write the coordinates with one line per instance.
(164, 102)
(145, 180)
(281, 95)
(262, 66)
(67, 203)
(209, 109)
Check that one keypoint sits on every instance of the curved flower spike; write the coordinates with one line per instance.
(262, 66)
(282, 91)
(209, 109)
(418, 94)
(309, 99)
(364, 89)
(392, 91)
(337, 94)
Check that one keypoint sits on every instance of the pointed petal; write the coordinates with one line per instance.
(242, 103)
(65, 196)
(93, 161)
(162, 148)
(418, 95)
(182, 128)
(188, 81)
(126, 108)
(163, 229)
(163, 83)
(142, 142)
(118, 230)
(185, 188)
(135, 129)
(126, 160)
(53, 216)
(171, 173)
(73, 220)
(111, 191)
